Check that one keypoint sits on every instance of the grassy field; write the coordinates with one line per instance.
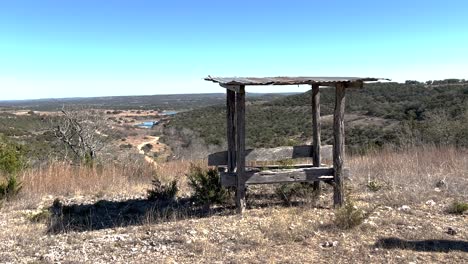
(405, 196)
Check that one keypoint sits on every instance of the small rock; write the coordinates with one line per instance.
(431, 203)
(325, 244)
(370, 223)
(441, 183)
(405, 208)
(50, 257)
(437, 189)
(451, 231)
(120, 237)
(329, 244)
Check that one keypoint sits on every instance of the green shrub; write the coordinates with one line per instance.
(457, 207)
(41, 216)
(10, 188)
(206, 185)
(163, 192)
(349, 216)
(11, 158)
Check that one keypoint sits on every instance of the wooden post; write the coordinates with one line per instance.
(316, 132)
(240, 149)
(231, 129)
(338, 145)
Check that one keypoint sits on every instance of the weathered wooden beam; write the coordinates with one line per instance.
(316, 132)
(258, 168)
(279, 176)
(234, 88)
(338, 145)
(277, 166)
(240, 149)
(273, 154)
(231, 130)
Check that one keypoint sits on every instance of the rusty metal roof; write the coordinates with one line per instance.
(289, 80)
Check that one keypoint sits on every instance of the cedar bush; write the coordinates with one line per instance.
(163, 192)
(11, 158)
(206, 185)
(10, 188)
(11, 162)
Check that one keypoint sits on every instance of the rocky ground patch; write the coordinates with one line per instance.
(299, 234)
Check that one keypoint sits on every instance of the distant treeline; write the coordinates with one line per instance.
(439, 82)
(143, 102)
(389, 113)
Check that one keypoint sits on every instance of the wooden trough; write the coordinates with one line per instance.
(235, 173)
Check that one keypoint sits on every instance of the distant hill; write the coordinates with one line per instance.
(159, 102)
(376, 115)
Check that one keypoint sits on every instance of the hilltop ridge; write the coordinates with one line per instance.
(378, 114)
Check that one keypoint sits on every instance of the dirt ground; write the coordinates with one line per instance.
(275, 234)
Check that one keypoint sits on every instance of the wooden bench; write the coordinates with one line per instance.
(285, 170)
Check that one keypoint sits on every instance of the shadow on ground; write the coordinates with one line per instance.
(105, 214)
(109, 214)
(430, 245)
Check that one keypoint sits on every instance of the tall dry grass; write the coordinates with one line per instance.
(407, 176)
(129, 177)
(412, 175)
(62, 178)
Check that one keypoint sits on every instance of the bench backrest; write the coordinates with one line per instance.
(273, 154)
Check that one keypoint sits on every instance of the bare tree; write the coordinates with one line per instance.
(81, 132)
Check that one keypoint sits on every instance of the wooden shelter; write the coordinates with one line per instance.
(236, 172)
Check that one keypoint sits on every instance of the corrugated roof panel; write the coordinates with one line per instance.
(288, 80)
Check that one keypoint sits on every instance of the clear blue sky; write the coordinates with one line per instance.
(57, 48)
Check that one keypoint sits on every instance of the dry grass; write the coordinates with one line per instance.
(413, 175)
(124, 178)
(64, 179)
(265, 234)
(405, 177)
